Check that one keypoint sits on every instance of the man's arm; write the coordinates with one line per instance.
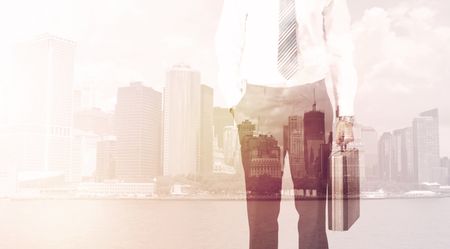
(340, 46)
(337, 28)
(229, 43)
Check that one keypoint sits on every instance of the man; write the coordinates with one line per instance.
(285, 69)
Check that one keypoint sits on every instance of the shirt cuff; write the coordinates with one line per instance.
(232, 91)
(346, 108)
(232, 97)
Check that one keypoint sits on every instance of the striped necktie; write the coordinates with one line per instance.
(287, 40)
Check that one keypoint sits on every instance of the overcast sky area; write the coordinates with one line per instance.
(402, 49)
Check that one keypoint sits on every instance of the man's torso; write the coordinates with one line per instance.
(260, 54)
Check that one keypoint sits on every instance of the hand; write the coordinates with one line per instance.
(344, 132)
(232, 111)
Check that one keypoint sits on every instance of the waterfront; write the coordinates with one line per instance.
(136, 224)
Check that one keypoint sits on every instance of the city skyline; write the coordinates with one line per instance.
(93, 119)
(411, 154)
(146, 49)
(90, 124)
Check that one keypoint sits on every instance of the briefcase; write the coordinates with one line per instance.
(343, 190)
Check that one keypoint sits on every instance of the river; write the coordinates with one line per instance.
(138, 224)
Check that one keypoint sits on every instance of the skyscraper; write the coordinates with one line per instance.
(403, 155)
(358, 144)
(222, 119)
(314, 134)
(106, 159)
(84, 153)
(182, 121)
(445, 163)
(426, 144)
(294, 140)
(206, 131)
(246, 130)
(396, 168)
(230, 145)
(369, 152)
(385, 156)
(138, 131)
(39, 126)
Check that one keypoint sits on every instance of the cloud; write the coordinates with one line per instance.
(402, 56)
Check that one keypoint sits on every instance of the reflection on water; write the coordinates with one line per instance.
(396, 224)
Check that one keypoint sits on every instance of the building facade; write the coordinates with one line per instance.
(369, 152)
(181, 121)
(106, 159)
(426, 145)
(38, 129)
(402, 169)
(138, 130)
(385, 156)
(206, 131)
(294, 143)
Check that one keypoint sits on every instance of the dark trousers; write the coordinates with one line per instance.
(274, 122)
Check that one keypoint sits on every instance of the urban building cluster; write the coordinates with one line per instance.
(55, 140)
(404, 159)
(411, 154)
(53, 137)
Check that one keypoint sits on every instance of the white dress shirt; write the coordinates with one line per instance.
(247, 48)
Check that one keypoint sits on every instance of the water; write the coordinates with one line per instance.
(56, 224)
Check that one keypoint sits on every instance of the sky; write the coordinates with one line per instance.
(402, 53)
